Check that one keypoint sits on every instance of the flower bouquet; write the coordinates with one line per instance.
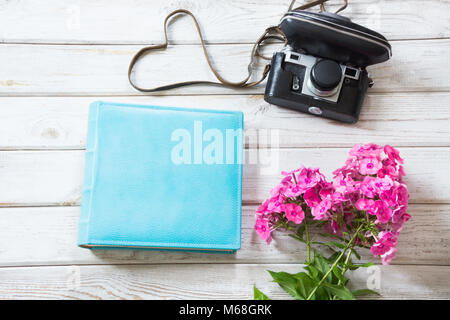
(363, 207)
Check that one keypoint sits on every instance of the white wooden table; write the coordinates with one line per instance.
(58, 56)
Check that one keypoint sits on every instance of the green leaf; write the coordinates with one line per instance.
(297, 238)
(338, 274)
(353, 267)
(313, 272)
(305, 284)
(365, 292)
(287, 282)
(323, 265)
(258, 295)
(356, 254)
(301, 230)
(327, 235)
(336, 244)
(321, 294)
(324, 244)
(318, 242)
(365, 265)
(341, 292)
(333, 257)
(320, 263)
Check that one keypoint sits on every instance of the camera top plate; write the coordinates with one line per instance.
(333, 36)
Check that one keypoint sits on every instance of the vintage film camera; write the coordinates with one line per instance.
(322, 68)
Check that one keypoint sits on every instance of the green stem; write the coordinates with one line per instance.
(308, 243)
(347, 259)
(334, 264)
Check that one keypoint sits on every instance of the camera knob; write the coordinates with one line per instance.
(326, 75)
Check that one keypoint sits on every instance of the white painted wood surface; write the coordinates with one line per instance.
(52, 231)
(98, 69)
(60, 122)
(232, 21)
(58, 56)
(202, 281)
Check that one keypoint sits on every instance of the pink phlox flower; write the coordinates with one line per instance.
(311, 198)
(343, 184)
(262, 209)
(353, 197)
(364, 204)
(368, 166)
(263, 230)
(396, 196)
(385, 242)
(281, 187)
(389, 197)
(367, 187)
(372, 186)
(381, 210)
(389, 162)
(350, 164)
(290, 173)
(293, 191)
(345, 170)
(387, 171)
(338, 197)
(381, 184)
(388, 256)
(274, 204)
(370, 181)
(402, 194)
(393, 154)
(369, 150)
(326, 190)
(399, 217)
(293, 212)
(308, 178)
(320, 212)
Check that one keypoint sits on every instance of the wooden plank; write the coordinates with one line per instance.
(222, 21)
(201, 282)
(412, 119)
(101, 70)
(55, 177)
(48, 236)
(425, 169)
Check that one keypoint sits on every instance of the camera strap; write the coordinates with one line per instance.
(271, 33)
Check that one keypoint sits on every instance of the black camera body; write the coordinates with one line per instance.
(322, 69)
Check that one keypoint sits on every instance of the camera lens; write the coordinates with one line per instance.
(326, 75)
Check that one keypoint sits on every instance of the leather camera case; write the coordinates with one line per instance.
(325, 36)
(335, 37)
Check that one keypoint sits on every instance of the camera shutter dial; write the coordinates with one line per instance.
(326, 75)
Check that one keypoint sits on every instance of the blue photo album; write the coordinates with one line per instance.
(162, 178)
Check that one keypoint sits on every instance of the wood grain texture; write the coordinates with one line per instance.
(200, 282)
(124, 21)
(48, 236)
(102, 70)
(55, 177)
(400, 119)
